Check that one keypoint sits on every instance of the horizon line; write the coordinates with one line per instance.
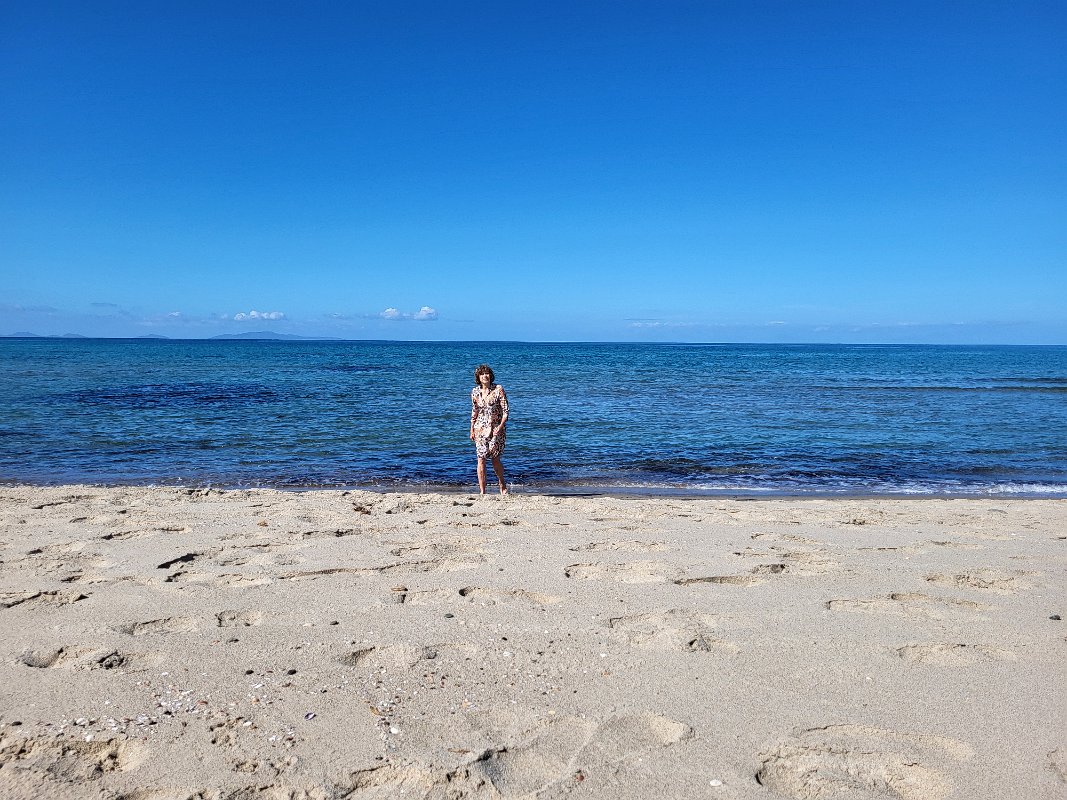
(298, 339)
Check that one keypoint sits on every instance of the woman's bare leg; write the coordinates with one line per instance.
(498, 467)
(481, 475)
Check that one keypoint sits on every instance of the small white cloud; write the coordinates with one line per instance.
(174, 314)
(423, 314)
(253, 315)
(426, 313)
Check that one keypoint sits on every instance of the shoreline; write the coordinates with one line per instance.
(176, 642)
(608, 491)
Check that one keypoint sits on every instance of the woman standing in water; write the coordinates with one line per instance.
(489, 419)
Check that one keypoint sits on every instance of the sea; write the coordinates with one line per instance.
(654, 419)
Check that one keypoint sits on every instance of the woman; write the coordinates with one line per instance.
(489, 419)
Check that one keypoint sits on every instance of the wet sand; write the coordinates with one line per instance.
(162, 644)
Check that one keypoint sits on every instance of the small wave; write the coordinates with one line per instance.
(827, 489)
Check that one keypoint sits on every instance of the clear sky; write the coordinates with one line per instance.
(842, 170)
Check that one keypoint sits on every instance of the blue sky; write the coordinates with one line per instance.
(699, 171)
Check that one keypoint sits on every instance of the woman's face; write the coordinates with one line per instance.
(483, 378)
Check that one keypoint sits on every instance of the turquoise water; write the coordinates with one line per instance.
(598, 417)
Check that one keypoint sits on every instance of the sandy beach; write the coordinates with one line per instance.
(162, 644)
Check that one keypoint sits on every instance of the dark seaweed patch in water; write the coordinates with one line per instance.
(176, 394)
(669, 466)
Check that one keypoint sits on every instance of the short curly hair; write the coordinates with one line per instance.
(483, 368)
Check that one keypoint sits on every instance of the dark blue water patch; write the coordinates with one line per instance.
(175, 395)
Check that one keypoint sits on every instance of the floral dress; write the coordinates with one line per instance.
(486, 414)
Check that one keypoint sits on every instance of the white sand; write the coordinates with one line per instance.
(166, 643)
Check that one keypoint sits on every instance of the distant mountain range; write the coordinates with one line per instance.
(28, 335)
(250, 335)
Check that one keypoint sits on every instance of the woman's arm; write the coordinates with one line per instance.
(503, 408)
(474, 412)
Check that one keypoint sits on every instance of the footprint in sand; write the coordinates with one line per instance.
(58, 549)
(239, 619)
(68, 760)
(121, 536)
(725, 580)
(442, 547)
(805, 563)
(543, 760)
(911, 604)
(330, 533)
(793, 562)
(438, 551)
(73, 565)
(615, 546)
(160, 626)
(49, 658)
(771, 569)
(82, 658)
(988, 579)
(234, 580)
(118, 659)
(673, 630)
(952, 653)
(425, 597)
(409, 780)
(197, 794)
(224, 734)
(862, 763)
(1057, 763)
(488, 596)
(631, 572)
(74, 498)
(785, 537)
(38, 599)
(553, 753)
(467, 561)
(401, 655)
